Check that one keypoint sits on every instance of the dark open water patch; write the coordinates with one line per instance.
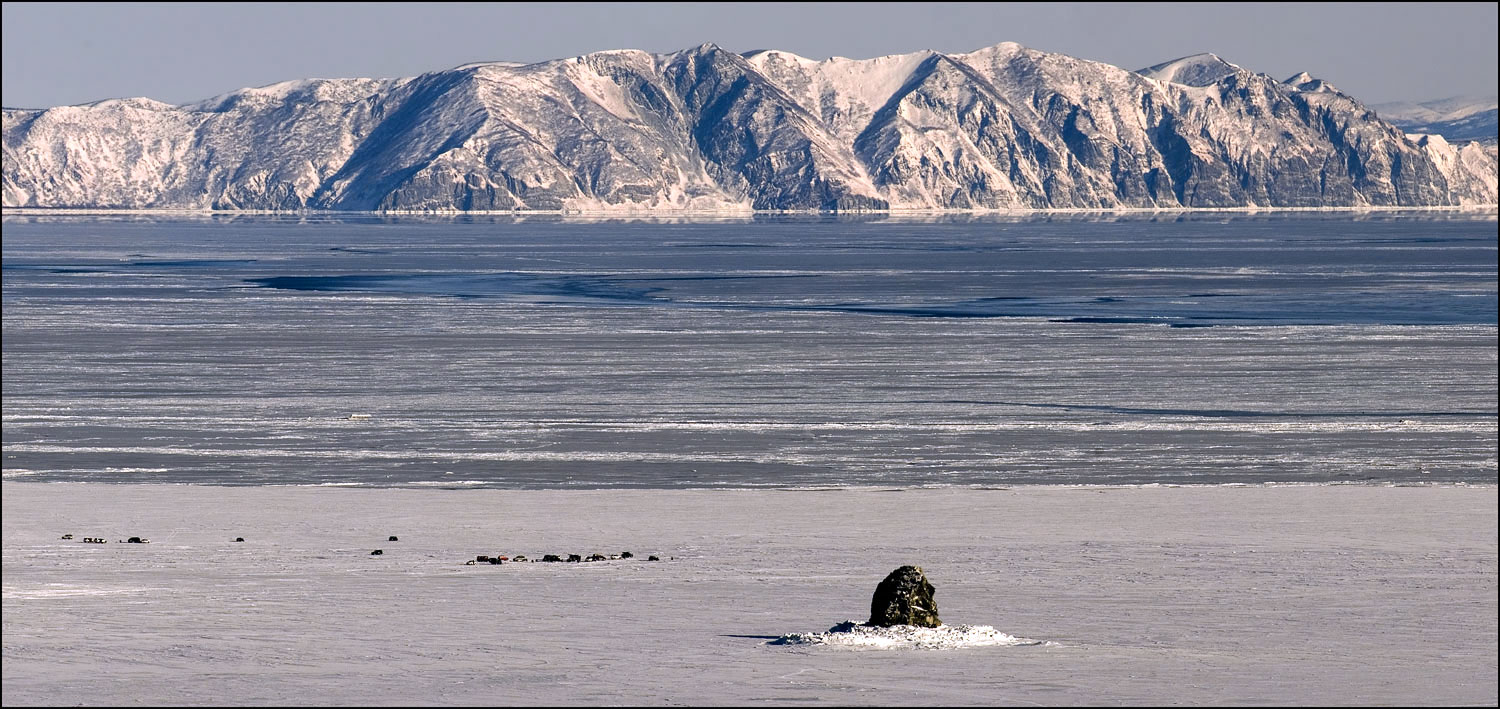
(355, 250)
(194, 263)
(748, 292)
(466, 285)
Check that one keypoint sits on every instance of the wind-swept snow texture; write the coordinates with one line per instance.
(704, 129)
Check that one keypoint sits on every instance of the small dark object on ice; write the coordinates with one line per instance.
(495, 560)
(597, 557)
(67, 536)
(481, 558)
(626, 555)
(239, 539)
(551, 557)
(377, 552)
(137, 540)
(574, 558)
(904, 598)
(521, 557)
(393, 539)
(653, 557)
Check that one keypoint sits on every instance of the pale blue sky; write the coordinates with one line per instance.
(65, 53)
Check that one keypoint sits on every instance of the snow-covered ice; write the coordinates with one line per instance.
(1311, 595)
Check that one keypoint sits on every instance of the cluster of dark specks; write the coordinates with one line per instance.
(554, 558)
(480, 559)
(102, 540)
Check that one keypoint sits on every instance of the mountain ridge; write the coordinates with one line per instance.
(1000, 128)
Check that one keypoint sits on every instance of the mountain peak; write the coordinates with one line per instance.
(778, 54)
(1204, 69)
(1308, 83)
(140, 102)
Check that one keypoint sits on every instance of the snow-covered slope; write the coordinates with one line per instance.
(999, 128)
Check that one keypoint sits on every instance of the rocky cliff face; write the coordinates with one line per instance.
(1001, 128)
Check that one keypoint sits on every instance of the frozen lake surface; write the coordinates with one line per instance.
(1298, 595)
(1193, 459)
(508, 353)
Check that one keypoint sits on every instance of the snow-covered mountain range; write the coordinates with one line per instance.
(1457, 119)
(1004, 127)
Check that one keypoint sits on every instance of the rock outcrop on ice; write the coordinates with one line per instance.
(1004, 127)
(904, 597)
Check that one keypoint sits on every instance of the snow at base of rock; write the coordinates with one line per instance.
(905, 637)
